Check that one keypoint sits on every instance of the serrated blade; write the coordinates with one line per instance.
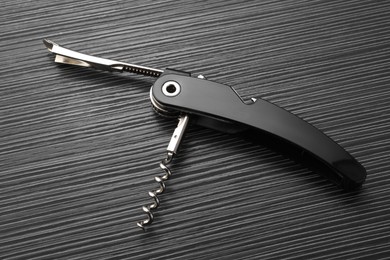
(67, 56)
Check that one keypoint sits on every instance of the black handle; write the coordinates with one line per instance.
(218, 106)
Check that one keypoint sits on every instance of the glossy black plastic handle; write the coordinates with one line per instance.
(218, 106)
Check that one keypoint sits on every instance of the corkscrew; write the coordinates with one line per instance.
(153, 194)
(178, 94)
(172, 148)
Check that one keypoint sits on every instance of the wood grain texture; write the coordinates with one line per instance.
(79, 148)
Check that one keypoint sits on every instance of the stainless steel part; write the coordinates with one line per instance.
(172, 149)
(171, 88)
(67, 56)
(178, 134)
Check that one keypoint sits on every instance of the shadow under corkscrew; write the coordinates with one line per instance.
(154, 194)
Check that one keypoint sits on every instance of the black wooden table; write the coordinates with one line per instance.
(79, 148)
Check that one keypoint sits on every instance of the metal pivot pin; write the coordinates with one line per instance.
(172, 149)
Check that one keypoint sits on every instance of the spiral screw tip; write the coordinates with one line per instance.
(141, 225)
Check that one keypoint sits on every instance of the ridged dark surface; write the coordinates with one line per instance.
(79, 148)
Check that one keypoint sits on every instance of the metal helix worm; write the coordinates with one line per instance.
(172, 149)
(153, 194)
